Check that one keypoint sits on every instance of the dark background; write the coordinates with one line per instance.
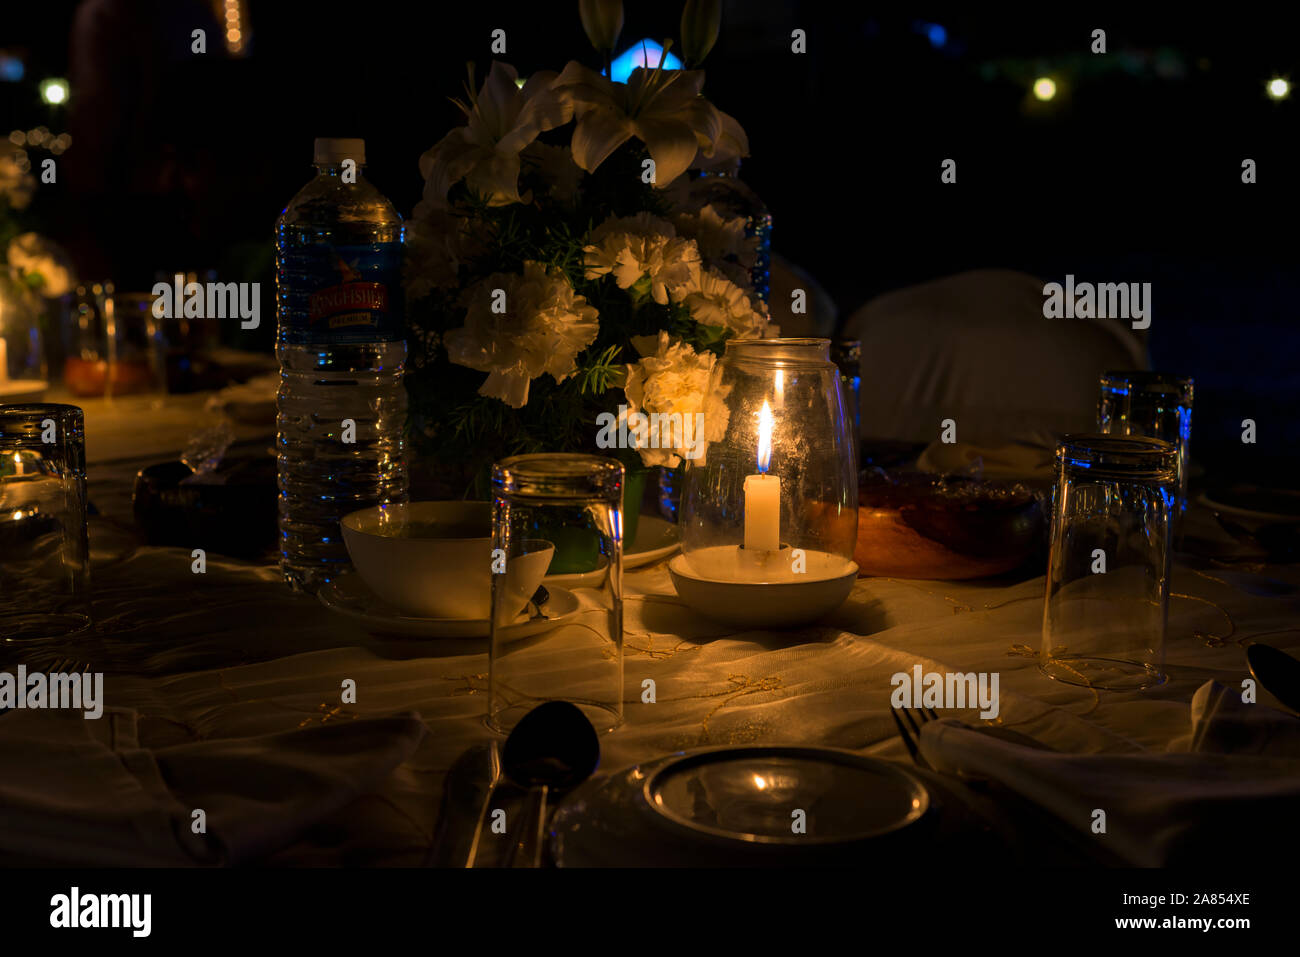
(1133, 172)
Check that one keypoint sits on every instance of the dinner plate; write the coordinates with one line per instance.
(656, 539)
(741, 807)
(348, 595)
(1255, 503)
(591, 579)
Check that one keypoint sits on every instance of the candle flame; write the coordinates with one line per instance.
(764, 437)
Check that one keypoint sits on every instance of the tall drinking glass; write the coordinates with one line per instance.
(1107, 598)
(1151, 405)
(44, 551)
(566, 643)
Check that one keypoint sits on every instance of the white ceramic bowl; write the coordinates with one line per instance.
(434, 559)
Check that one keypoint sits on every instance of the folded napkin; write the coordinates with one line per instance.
(1027, 456)
(82, 792)
(1199, 807)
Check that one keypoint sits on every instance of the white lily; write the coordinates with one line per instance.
(662, 108)
(500, 121)
(727, 149)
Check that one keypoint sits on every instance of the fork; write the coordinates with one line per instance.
(927, 714)
(919, 716)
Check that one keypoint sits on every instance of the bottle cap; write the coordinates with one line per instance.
(330, 151)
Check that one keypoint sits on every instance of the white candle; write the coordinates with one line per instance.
(763, 494)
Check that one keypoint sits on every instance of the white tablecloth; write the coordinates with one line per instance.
(233, 653)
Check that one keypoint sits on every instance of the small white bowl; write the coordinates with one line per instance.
(434, 559)
(784, 603)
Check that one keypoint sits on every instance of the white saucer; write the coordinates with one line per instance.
(349, 596)
(656, 539)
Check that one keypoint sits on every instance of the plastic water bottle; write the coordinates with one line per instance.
(342, 403)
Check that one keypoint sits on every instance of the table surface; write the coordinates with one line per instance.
(234, 653)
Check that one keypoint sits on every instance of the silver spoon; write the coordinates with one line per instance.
(552, 749)
(1283, 673)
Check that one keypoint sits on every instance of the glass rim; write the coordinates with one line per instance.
(24, 410)
(815, 351)
(1145, 378)
(559, 475)
(1118, 456)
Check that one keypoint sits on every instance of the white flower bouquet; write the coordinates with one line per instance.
(562, 273)
(33, 270)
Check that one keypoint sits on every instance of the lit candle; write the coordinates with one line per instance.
(763, 494)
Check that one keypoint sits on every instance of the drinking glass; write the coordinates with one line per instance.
(1153, 405)
(567, 643)
(114, 343)
(1107, 597)
(44, 552)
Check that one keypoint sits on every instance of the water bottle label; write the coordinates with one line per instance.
(355, 293)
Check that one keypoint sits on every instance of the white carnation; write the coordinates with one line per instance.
(676, 384)
(714, 300)
(642, 247)
(31, 254)
(719, 237)
(437, 243)
(545, 325)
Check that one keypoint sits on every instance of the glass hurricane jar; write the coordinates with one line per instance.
(773, 496)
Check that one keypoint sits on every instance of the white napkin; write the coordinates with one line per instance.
(1029, 455)
(81, 792)
(1160, 809)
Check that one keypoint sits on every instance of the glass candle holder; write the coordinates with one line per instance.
(1107, 596)
(1151, 405)
(567, 642)
(44, 550)
(774, 496)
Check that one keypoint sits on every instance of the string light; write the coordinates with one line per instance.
(235, 32)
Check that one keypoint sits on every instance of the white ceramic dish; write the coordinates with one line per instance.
(423, 576)
(1255, 515)
(656, 539)
(779, 603)
(591, 579)
(348, 595)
